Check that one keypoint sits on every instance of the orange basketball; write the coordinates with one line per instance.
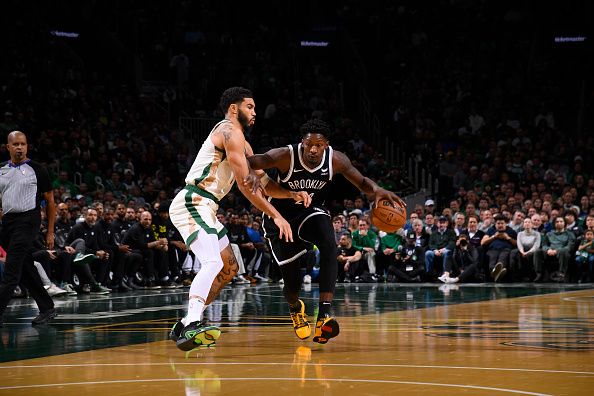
(387, 217)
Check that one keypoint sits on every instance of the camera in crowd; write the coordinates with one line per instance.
(463, 241)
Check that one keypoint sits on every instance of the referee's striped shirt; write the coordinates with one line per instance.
(22, 186)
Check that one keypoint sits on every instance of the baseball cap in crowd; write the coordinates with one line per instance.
(578, 158)
(79, 196)
(429, 202)
(443, 218)
(356, 212)
(411, 235)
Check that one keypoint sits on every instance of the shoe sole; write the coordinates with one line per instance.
(496, 270)
(60, 294)
(206, 337)
(500, 274)
(330, 329)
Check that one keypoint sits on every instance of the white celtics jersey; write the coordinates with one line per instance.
(211, 170)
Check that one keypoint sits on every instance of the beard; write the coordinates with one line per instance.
(244, 121)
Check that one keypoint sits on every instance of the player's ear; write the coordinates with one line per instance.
(233, 108)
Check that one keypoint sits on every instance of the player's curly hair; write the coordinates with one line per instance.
(315, 126)
(234, 95)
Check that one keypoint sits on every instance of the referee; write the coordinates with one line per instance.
(23, 184)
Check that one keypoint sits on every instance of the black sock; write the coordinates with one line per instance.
(324, 308)
(295, 307)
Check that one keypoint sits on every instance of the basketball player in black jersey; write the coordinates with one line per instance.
(311, 166)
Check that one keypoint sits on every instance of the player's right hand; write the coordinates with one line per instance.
(252, 181)
(285, 229)
(301, 196)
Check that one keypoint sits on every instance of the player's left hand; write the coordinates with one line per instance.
(301, 196)
(284, 229)
(252, 181)
(49, 240)
(390, 196)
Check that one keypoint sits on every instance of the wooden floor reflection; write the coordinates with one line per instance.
(540, 344)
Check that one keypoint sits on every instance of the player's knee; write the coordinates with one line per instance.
(213, 265)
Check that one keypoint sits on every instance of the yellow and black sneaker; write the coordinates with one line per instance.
(197, 334)
(326, 328)
(300, 323)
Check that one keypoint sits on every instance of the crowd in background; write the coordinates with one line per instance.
(499, 139)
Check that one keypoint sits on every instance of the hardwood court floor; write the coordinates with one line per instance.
(395, 339)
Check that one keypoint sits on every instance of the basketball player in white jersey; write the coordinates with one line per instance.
(311, 166)
(220, 161)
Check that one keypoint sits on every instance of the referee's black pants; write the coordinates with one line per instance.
(16, 237)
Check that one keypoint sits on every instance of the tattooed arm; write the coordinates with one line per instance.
(235, 148)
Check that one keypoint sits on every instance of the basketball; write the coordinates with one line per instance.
(388, 218)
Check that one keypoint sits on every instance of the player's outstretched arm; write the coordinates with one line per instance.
(235, 146)
(342, 164)
(276, 158)
(279, 158)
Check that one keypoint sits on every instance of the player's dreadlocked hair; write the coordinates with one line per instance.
(234, 95)
(315, 126)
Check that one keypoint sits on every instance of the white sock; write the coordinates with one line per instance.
(195, 309)
(185, 321)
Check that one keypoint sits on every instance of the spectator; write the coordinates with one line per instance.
(585, 257)
(421, 235)
(517, 221)
(407, 262)
(353, 224)
(348, 260)
(486, 220)
(166, 260)
(390, 244)
(570, 220)
(430, 206)
(497, 244)
(142, 241)
(339, 228)
(464, 262)
(83, 239)
(475, 236)
(522, 258)
(537, 223)
(556, 248)
(430, 225)
(460, 223)
(367, 242)
(441, 245)
(64, 181)
(412, 217)
(260, 264)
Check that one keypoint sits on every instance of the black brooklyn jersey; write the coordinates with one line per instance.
(299, 177)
